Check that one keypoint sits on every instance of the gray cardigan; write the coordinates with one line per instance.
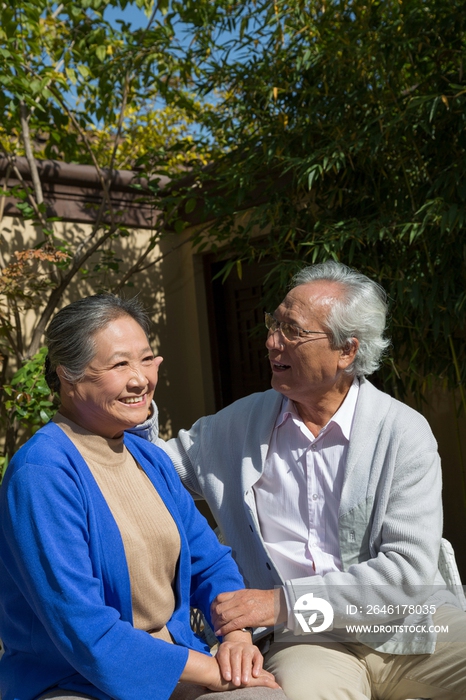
(390, 519)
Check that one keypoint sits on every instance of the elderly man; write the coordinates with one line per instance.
(329, 493)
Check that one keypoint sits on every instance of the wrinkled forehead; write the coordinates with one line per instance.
(312, 300)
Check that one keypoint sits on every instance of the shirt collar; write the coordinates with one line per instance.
(343, 417)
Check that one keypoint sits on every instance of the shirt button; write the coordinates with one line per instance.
(315, 497)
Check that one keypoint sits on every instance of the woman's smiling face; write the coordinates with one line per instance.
(118, 385)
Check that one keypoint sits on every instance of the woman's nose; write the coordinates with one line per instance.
(138, 377)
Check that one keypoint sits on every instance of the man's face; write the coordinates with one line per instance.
(306, 369)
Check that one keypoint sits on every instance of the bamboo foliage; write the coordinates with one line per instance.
(346, 129)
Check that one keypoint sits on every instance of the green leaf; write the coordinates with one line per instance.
(84, 70)
(71, 75)
(190, 205)
(3, 466)
(313, 173)
(101, 53)
(44, 416)
(179, 226)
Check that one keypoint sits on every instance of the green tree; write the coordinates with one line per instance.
(344, 130)
(76, 89)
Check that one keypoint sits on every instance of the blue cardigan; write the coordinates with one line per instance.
(65, 597)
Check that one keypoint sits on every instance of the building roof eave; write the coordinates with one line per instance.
(74, 193)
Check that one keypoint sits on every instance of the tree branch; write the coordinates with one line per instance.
(3, 199)
(18, 330)
(31, 200)
(9, 337)
(120, 122)
(36, 183)
(57, 293)
(138, 267)
(82, 133)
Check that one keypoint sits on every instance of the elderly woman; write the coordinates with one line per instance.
(102, 551)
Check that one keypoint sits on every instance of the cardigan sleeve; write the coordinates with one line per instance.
(212, 567)
(397, 537)
(47, 552)
(176, 448)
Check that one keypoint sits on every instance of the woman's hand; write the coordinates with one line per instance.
(206, 670)
(238, 658)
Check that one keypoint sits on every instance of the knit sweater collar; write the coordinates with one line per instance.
(91, 446)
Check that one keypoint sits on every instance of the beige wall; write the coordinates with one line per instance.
(173, 293)
(186, 390)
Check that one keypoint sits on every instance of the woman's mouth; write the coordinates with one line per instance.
(129, 400)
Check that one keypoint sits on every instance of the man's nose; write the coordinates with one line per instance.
(274, 340)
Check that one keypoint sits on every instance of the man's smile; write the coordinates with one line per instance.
(278, 366)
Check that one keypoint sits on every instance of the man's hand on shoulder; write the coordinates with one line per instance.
(149, 430)
(250, 607)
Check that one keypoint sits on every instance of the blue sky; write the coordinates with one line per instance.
(131, 14)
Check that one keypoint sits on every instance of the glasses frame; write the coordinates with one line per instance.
(273, 326)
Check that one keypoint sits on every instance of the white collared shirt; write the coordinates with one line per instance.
(299, 492)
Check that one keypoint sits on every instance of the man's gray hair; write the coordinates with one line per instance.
(70, 335)
(360, 312)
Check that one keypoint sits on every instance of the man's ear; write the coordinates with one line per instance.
(348, 353)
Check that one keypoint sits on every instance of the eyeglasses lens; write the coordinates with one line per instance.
(286, 329)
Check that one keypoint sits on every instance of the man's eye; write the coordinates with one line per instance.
(149, 358)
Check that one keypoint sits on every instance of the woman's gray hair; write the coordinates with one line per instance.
(360, 312)
(70, 334)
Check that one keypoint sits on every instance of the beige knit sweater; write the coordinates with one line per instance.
(150, 536)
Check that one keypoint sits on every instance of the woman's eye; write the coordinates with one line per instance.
(121, 364)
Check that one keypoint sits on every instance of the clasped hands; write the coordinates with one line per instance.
(240, 662)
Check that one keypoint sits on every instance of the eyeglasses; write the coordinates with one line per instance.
(288, 330)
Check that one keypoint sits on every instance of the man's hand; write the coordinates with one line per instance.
(250, 607)
(241, 662)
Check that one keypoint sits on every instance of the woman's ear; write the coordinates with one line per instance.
(66, 387)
